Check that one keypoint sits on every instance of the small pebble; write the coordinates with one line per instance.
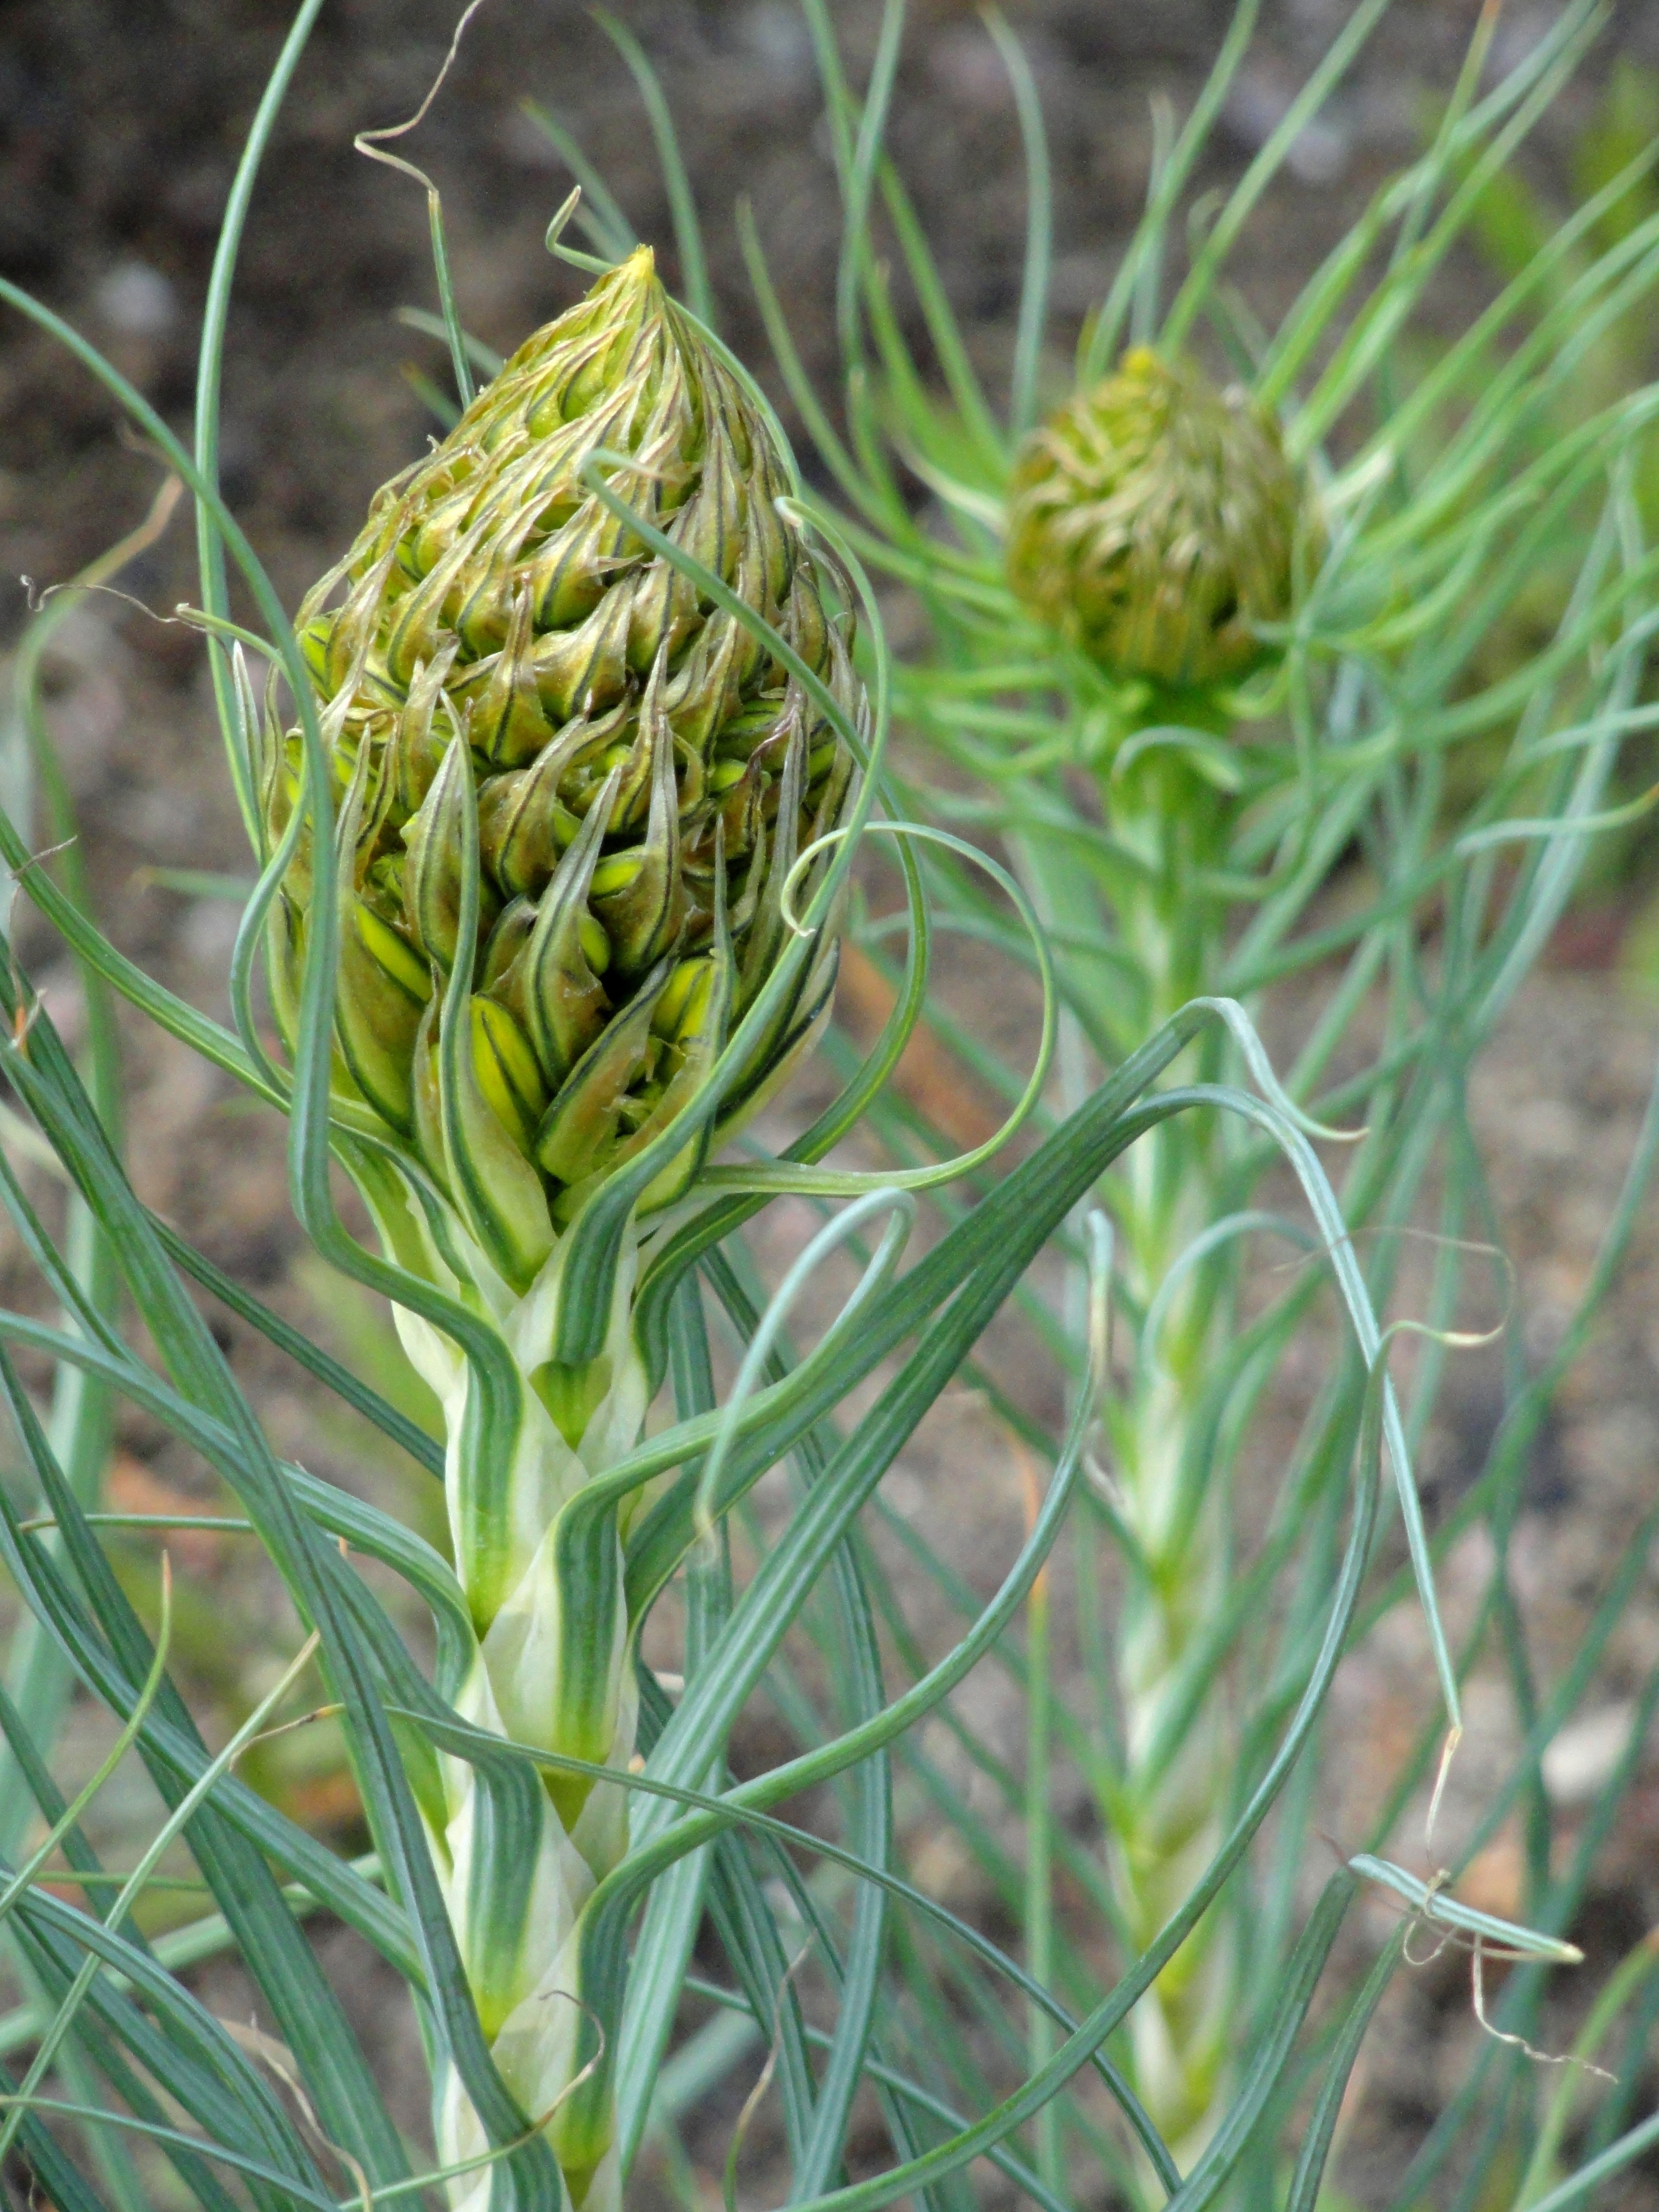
(136, 300)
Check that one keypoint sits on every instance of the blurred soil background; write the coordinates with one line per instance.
(119, 126)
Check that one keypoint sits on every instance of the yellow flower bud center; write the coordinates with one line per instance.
(393, 954)
(507, 1070)
(617, 874)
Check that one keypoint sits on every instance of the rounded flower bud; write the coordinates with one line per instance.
(1152, 521)
(513, 682)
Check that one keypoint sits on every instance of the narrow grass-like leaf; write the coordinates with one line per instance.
(687, 231)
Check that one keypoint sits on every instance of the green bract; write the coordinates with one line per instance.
(512, 670)
(1153, 521)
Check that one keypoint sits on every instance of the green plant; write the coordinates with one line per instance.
(574, 793)
(1272, 716)
(532, 1125)
(1609, 171)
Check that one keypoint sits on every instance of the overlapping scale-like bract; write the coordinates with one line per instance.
(509, 669)
(1153, 522)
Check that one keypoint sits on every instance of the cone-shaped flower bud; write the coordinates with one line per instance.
(570, 788)
(1153, 521)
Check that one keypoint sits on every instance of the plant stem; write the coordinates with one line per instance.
(518, 1857)
(1039, 1851)
(1168, 1816)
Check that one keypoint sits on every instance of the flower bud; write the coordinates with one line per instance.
(513, 679)
(1153, 521)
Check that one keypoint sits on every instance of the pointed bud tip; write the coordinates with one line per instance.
(634, 277)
